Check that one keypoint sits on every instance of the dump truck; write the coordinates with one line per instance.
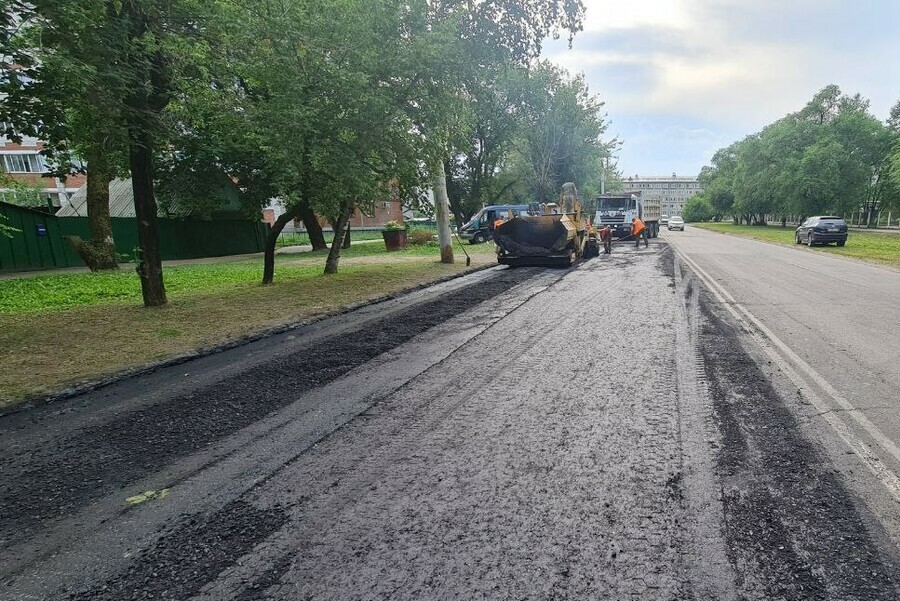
(617, 211)
(552, 234)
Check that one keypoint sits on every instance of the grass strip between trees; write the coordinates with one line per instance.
(882, 249)
(58, 330)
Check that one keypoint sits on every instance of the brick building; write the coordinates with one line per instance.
(24, 164)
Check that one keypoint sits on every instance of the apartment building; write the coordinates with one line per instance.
(672, 192)
(24, 164)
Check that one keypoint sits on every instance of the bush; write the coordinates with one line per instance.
(697, 208)
(419, 236)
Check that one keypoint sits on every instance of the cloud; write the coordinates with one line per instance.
(682, 78)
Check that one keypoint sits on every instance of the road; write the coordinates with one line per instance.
(831, 328)
(613, 431)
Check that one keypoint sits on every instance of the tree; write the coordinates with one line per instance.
(698, 208)
(562, 134)
(481, 146)
(61, 91)
(470, 39)
(125, 59)
(328, 89)
(832, 156)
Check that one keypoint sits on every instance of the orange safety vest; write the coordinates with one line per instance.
(499, 222)
(637, 227)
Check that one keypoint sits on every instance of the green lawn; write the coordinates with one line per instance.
(301, 239)
(56, 330)
(52, 292)
(869, 246)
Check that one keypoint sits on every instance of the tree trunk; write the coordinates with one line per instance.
(442, 215)
(346, 243)
(149, 268)
(334, 255)
(272, 239)
(313, 228)
(103, 249)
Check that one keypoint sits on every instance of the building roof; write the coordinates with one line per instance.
(121, 202)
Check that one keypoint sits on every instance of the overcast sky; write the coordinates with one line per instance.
(683, 78)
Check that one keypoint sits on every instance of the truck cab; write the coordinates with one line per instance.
(481, 227)
(617, 211)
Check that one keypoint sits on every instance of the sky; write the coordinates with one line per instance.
(683, 78)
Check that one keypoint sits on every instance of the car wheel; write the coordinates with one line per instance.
(478, 238)
(841, 242)
(809, 240)
(796, 238)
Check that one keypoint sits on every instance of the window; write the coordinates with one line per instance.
(24, 163)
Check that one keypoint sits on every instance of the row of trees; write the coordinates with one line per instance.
(831, 157)
(328, 105)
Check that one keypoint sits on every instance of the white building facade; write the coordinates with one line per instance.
(672, 192)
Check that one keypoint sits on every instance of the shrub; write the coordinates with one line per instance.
(419, 236)
(393, 226)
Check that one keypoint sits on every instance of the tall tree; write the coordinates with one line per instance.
(561, 138)
(127, 56)
(60, 90)
(473, 38)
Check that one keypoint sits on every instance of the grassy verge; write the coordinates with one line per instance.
(302, 239)
(61, 329)
(878, 248)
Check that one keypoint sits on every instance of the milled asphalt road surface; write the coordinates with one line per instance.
(833, 325)
(606, 432)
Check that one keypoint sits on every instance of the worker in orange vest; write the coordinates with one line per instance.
(638, 231)
(497, 223)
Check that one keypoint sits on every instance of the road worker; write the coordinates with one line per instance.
(497, 223)
(638, 231)
(606, 238)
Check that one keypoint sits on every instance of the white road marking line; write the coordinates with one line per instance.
(787, 362)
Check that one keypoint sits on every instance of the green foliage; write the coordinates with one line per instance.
(832, 156)
(393, 226)
(561, 138)
(17, 193)
(6, 230)
(698, 208)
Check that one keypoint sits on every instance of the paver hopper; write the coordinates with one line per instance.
(557, 237)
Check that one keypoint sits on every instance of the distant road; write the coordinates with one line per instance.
(834, 323)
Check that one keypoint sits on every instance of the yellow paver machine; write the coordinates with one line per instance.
(553, 234)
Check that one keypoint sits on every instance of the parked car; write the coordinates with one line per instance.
(676, 223)
(481, 227)
(822, 230)
(663, 219)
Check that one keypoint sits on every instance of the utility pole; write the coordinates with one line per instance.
(603, 175)
(442, 214)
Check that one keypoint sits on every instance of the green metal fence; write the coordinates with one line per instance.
(40, 243)
(37, 245)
